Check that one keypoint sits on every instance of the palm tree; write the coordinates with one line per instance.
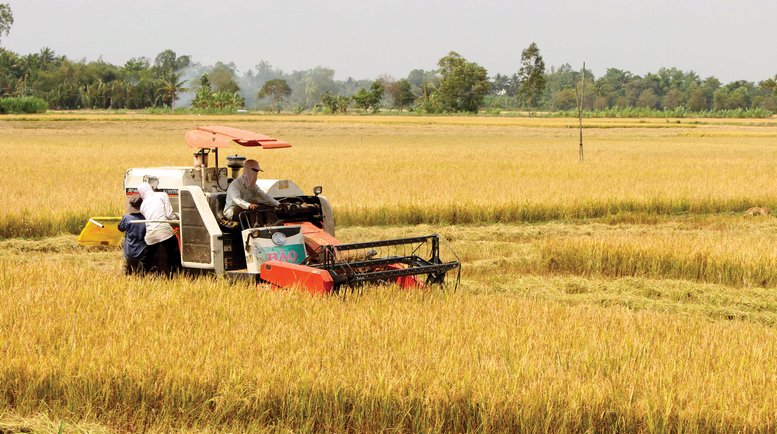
(170, 85)
(47, 57)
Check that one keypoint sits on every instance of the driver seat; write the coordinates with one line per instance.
(234, 256)
(217, 201)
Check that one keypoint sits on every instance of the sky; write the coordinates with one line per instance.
(364, 39)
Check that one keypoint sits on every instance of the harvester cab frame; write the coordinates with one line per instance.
(293, 245)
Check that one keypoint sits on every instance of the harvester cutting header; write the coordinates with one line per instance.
(292, 244)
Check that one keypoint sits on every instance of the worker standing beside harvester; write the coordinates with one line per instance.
(134, 241)
(156, 208)
(243, 193)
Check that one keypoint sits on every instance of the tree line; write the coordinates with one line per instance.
(45, 78)
(457, 85)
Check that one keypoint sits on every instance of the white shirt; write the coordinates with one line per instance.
(241, 196)
(157, 206)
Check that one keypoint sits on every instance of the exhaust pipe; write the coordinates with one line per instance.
(235, 162)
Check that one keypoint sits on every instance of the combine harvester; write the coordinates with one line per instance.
(293, 245)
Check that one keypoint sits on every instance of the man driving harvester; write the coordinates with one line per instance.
(243, 194)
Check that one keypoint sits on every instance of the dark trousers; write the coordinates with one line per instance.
(132, 266)
(172, 253)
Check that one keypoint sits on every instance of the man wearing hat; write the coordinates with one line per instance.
(134, 243)
(243, 193)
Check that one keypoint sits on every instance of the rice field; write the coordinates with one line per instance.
(406, 170)
(628, 293)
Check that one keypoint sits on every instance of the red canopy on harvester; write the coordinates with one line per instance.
(215, 136)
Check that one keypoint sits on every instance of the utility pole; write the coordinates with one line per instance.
(580, 99)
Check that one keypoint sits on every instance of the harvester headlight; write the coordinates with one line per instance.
(318, 190)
